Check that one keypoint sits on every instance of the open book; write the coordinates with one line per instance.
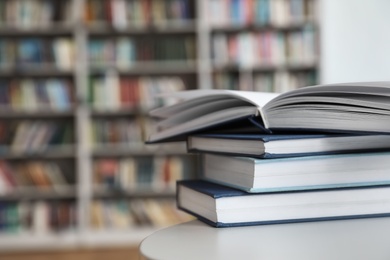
(347, 107)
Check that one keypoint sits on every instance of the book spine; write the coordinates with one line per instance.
(271, 48)
(23, 53)
(125, 214)
(37, 216)
(24, 177)
(29, 137)
(37, 95)
(130, 174)
(114, 93)
(127, 52)
(34, 14)
(122, 14)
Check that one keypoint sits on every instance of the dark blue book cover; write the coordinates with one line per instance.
(286, 145)
(359, 206)
(211, 189)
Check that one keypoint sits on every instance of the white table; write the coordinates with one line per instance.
(330, 240)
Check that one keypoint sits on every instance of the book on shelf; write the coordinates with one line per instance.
(285, 145)
(37, 217)
(34, 14)
(55, 53)
(30, 137)
(34, 176)
(298, 173)
(259, 12)
(141, 51)
(122, 214)
(265, 49)
(122, 14)
(345, 107)
(112, 92)
(134, 174)
(222, 206)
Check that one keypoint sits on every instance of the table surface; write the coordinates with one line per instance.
(339, 239)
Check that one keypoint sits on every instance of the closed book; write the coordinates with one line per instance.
(222, 206)
(285, 145)
(298, 173)
(30, 51)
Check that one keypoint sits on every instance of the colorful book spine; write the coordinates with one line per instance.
(18, 53)
(23, 177)
(127, 214)
(113, 92)
(34, 14)
(31, 136)
(122, 14)
(135, 173)
(126, 52)
(37, 217)
(260, 12)
(37, 94)
(265, 48)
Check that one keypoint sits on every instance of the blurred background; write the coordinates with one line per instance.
(77, 78)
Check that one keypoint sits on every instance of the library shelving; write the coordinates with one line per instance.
(263, 45)
(77, 79)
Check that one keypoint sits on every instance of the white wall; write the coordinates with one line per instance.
(355, 40)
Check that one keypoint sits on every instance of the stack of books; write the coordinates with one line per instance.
(315, 153)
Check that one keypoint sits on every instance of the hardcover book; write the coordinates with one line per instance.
(298, 173)
(286, 145)
(221, 206)
(347, 107)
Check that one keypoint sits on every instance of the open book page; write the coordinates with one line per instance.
(352, 107)
(185, 115)
(193, 98)
(356, 92)
(211, 119)
(335, 101)
(200, 109)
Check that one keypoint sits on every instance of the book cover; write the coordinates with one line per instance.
(285, 145)
(221, 206)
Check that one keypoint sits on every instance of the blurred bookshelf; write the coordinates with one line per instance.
(77, 78)
(263, 45)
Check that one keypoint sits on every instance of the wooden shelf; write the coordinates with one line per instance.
(33, 70)
(52, 152)
(142, 191)
(137, 150)
(267, 68)
(105, 29)
(297, 25)
(35, 193)
(149, 67)
(95, 112)
(51, 30)
(13, 114)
